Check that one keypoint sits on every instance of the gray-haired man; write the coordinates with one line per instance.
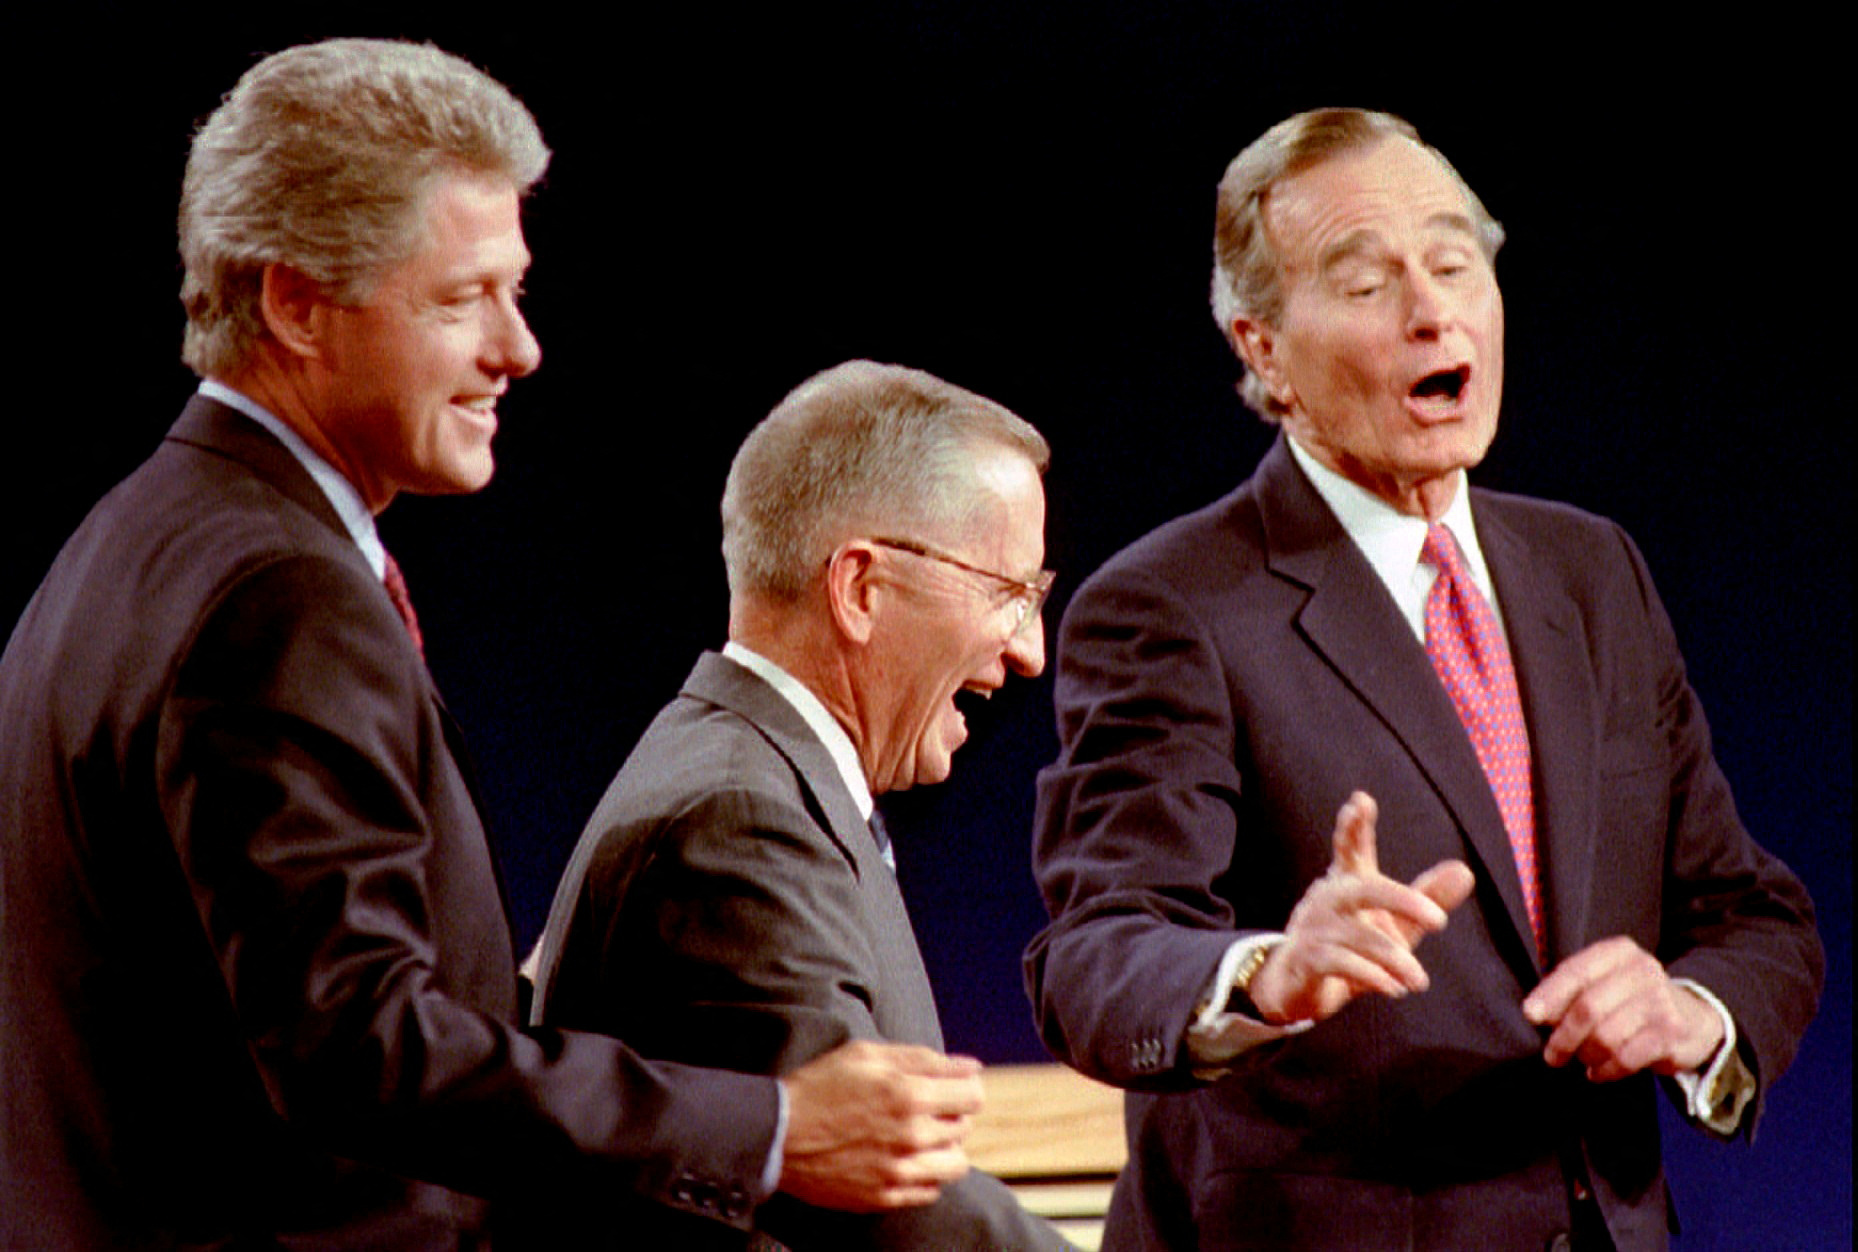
(256, 985)
(730, 903)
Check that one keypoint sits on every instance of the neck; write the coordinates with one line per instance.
(284, 394)
(793, 638)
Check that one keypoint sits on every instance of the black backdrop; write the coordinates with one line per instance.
(1019, 197)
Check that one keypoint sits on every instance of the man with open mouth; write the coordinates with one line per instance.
(1387, 858)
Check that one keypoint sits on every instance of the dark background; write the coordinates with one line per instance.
(1019, 197)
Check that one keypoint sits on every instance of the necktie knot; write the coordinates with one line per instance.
(1441, 551)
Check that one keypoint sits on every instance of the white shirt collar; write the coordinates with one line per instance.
(824, 726)
(1391, 540)
(341, 493)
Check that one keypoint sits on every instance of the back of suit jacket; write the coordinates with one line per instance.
(252, 931)
(728, 906)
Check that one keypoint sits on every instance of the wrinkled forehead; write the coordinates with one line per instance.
(1393, 186)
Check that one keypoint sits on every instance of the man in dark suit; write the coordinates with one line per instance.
(731, 902)
(1304, 727)
(256, 983)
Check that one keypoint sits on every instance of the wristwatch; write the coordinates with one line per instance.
(1239, 999)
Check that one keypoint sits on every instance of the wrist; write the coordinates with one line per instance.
(1249, 983)
(1703, 1030)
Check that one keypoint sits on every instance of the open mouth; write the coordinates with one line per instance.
(481, 409)
(969, 699)
(1442, 386)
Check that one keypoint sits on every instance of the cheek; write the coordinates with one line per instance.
(1344, 367)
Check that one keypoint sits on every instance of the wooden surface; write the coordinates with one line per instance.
(1056, 1138)
(1047, 1121)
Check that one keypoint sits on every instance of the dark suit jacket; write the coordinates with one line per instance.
(727, 905)
(255, 973)
(1223, 685)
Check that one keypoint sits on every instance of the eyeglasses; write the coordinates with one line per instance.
(1028, 595)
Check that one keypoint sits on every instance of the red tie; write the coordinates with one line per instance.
(1467, 649)
(396, 591)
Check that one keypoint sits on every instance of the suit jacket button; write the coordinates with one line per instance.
(1561, 1243)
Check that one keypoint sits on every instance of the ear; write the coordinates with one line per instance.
(295, 309)
(851, 591)
(1256, 343)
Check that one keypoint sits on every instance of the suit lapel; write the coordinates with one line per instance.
(1560, 707)
(223, 430)
(1354, 625)
(906, 1002)
(722, 682)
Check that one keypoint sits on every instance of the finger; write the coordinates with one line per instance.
(1363, 973)
(914, 1059)
(1608, 1010)
(1447, 884)
(1612, 1061)
(1358, 895)
(1651, 1028)
(1368, 960)
(919, 1178)
(1549, 1002)
(945, 1099)
(1354, 835)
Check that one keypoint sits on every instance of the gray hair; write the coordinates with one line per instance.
(321, 158)
(1246, 266)
(859, 446)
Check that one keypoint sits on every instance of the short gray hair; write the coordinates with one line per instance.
(1247, 270)
(321, 158)
(861, 446)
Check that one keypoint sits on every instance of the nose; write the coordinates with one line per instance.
(1427, 307)
(1025, 652)
(511, 347)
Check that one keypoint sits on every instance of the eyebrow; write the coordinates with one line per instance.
(1358, 242)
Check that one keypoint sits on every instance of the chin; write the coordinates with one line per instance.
(932, 769)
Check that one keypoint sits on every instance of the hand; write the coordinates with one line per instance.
(1613, 1008)
(876, 1126)
(1354, 930)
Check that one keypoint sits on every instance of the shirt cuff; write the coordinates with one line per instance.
(1217, 1035)
(771, 1172)
(1716, 1096)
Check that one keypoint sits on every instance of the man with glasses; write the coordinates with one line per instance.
(733, 902)
(256, 980)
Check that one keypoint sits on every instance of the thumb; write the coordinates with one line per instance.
(1447, 884)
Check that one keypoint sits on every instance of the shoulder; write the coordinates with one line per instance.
(1228, 533)
(195, 560)
(705, 776)
(1586, 554)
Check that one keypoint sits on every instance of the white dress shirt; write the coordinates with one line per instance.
(1391, 541)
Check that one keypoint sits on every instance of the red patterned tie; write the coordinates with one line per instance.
(396, 591)
(1467, 649)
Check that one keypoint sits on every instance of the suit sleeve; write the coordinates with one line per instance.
(1733, 917)
(740, 943)
(1137, 823)
(296, 755)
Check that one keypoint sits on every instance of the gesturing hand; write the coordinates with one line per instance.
(1614, 1009)
(1354, 930)
(876, 1126)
